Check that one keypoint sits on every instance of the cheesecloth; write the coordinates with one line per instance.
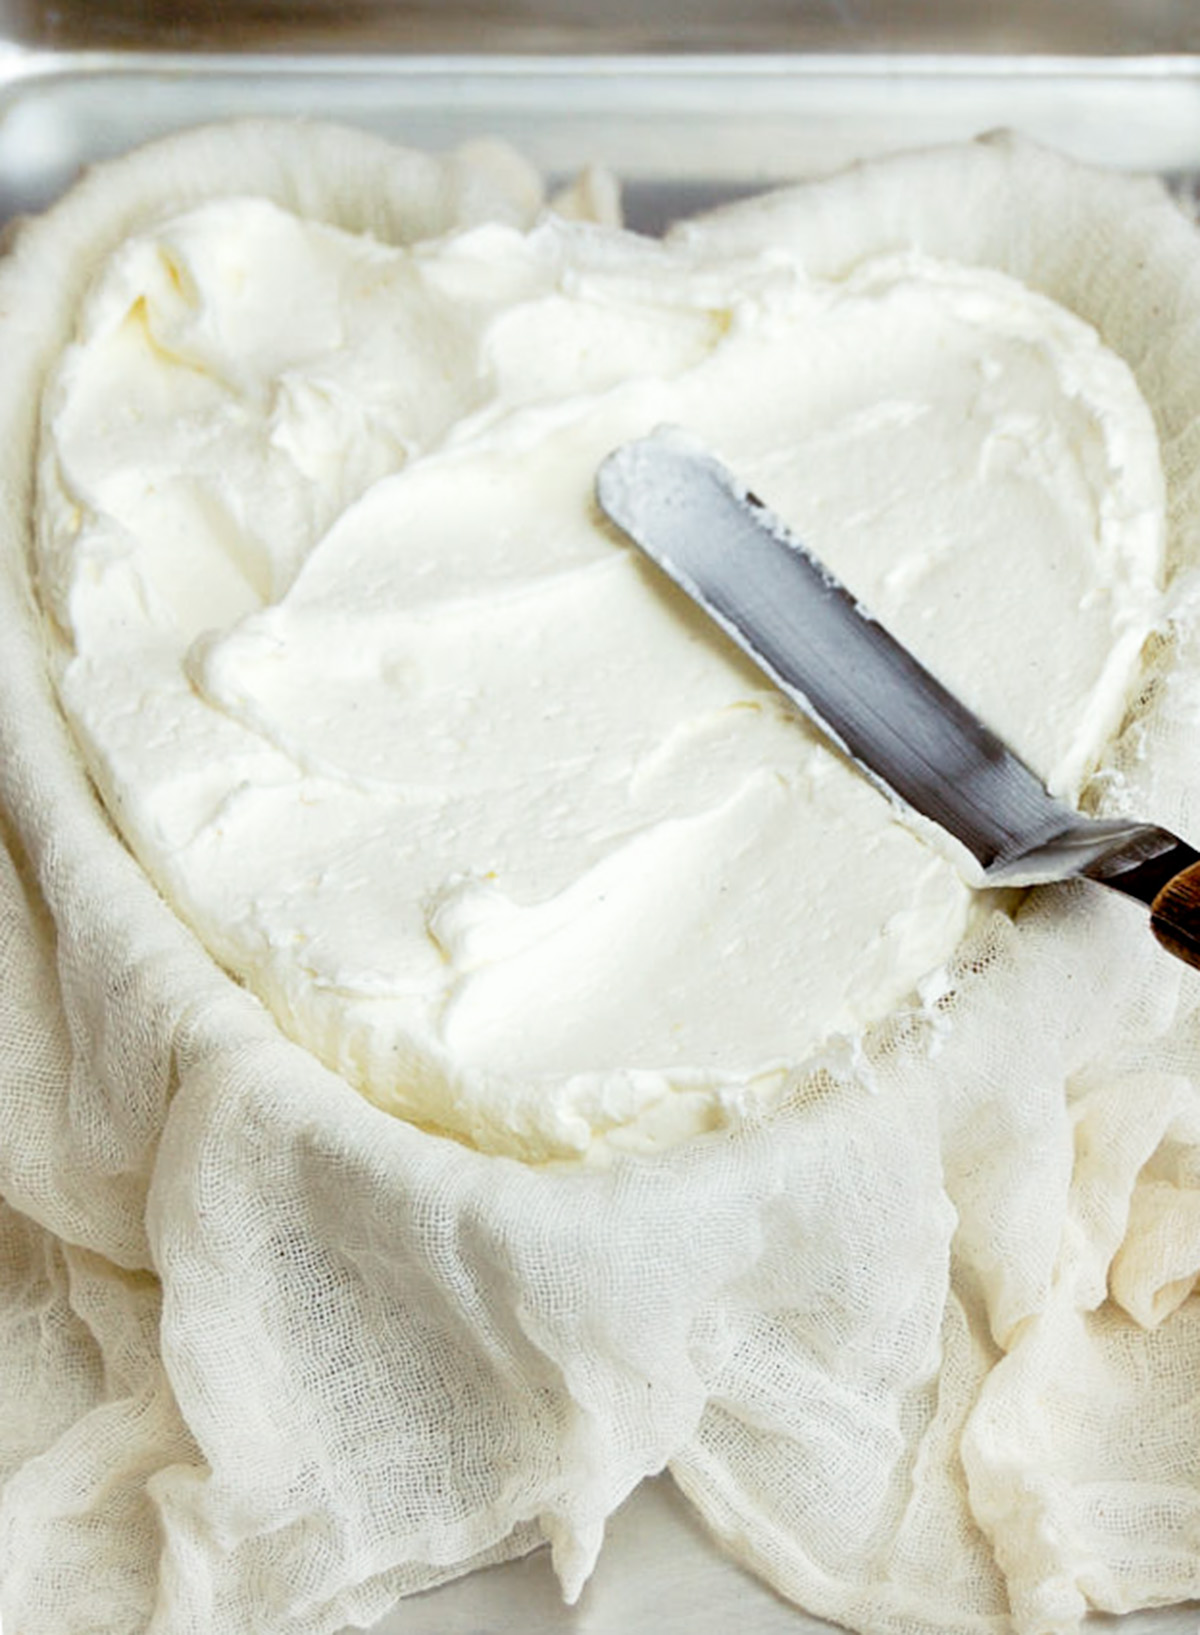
(922, 1347)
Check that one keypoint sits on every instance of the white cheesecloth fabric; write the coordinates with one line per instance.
(923, 1347)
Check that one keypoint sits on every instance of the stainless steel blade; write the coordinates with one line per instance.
(810, 635)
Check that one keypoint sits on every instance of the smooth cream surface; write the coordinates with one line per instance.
(435, 763)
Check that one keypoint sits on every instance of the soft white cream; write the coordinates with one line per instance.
(433, 761)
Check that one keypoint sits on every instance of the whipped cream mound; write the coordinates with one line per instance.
(427, 755)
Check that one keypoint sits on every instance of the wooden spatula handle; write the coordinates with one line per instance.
(1175, 915)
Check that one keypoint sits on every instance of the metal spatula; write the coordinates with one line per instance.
(914, 739)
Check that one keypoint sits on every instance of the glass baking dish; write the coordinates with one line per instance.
(681, 133)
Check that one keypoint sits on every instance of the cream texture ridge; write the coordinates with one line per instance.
(427, 755)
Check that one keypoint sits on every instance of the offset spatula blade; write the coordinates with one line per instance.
(866, 691)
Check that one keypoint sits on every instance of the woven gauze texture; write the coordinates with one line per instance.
(922, 1347)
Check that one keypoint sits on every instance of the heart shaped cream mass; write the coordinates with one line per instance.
(424, 753)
